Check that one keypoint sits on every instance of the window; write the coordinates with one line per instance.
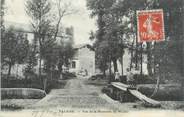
(73, 64)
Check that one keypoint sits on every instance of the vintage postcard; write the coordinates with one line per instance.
(104, 58)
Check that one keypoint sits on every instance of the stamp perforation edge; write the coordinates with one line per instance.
(146, 12)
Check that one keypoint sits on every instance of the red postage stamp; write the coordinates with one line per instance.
(150, 25)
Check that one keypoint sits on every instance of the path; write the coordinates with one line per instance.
(76, 96)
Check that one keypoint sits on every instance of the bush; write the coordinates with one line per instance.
(11, 107)
(123, 79)
(22, 93)
(140, 79)
(13, 82)
(33, 81)
(143, 79)
(56, 74)
(68, 75)
(106, 90)
(165, 92)
(55, 84)
(97, 77)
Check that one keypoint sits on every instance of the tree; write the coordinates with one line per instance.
(102, 58)
(39, 10)
(2, 27)
(31, 60)
(50, 58)
(99, 8)
(167, 55)
(110, 15)
(92, 36)
(2, 15)
(62, 9)
(66, 50)
(171, 68)
(14, 48)
(110, 30)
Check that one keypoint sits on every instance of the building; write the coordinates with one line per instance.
(83, 61)
(63, 37)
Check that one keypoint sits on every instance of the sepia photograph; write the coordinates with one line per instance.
(87, 58)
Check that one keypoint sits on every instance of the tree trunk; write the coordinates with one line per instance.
(157, 73)
(182, 70)
(9, 73)
(110, 72)
(40, 69)
(154, 60)
(40, 72)
(149, 59)
(115, 65)
(156, 87)
(104, 74)
(45, 84)
(136, 54)
(141, 59)
(122, 72)
(60, 67)
(9, 70)
(25, 82)
(57, 28)
(131, 60)
(51, 72)
(17, 70)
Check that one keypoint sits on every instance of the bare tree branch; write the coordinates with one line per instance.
(64, 9)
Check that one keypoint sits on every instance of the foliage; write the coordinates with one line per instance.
(109, 36)
(116, 21)
(102, 59)
(14, 48)
(168, 54)
(61, 9)
(2, 15)
(39, 10)
(65, 53)
(98, 9)
(31, 60)
(92, 36)
(32, 81)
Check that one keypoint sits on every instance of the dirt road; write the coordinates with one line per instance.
(77, 96)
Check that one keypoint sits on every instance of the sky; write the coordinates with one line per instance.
(81, 21)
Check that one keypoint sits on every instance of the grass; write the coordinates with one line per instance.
(11, 107)
(98, 82)
(17, 104)
(33, 81)
(22, 93)
(166, 92)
